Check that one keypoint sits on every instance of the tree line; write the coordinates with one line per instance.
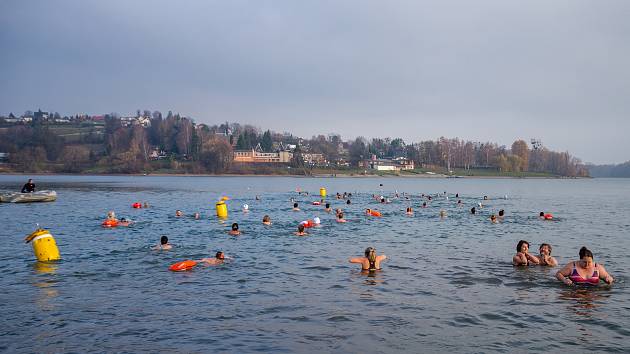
(200, 148)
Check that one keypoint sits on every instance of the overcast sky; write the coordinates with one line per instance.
(494, 71)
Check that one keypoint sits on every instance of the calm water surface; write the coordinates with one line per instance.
(447, 284)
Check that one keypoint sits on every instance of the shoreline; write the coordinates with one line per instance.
(339, 175)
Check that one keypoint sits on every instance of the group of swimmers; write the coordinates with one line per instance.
(581, 272)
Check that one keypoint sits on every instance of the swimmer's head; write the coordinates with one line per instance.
(266, 218)
(123, 220)
(493, 217)
(585, 252)
(327, 205)
(473, 210)
(245, 206)
(220, 255)
(348, 201)
(163, 240)
(340, 216)
(519, 245)
(545, 247)
(370, 254)
(235, 227)
(301, 228)
(295, 205)
(542, 214)
(501, 212)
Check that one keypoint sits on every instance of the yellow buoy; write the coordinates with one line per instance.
(222, 210)
(44, 245)
(322, 192)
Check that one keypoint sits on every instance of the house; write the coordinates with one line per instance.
(255, 156)
(396, 164)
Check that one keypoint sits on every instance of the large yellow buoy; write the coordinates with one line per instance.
(44, 245)
(322, 192)
(222, 211)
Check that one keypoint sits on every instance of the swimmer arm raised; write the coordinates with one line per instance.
(356, 260)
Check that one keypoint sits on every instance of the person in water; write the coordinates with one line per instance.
(327, 208)
(545, 255)
(295, 207)
(493, 219)
(245, 208)
(409, 211)
(178, 213)
(164, 245)
(424, 204)
(443, 214)
(218, 259)
(111, 216)
(371, 262)
(541, 216)
(584, 271)
(146, 205)
(501, 214)
(234, 231)
(266, 220)
(473, 210)
(522, 256)
(300, 231)
(340, 218)
(29, 187)
(348, 202)
(124, 222)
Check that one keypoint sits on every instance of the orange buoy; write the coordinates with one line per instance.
(375, 213)
(110, 223)
(136, 205)
(183, 266)
(548, 217)
(308, 223)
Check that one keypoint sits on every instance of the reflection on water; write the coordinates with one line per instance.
(447, 285)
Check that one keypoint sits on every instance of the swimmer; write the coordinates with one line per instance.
(382, 199)
(480, 205)
(234, 231)
(124, 222)
(545, 255)
(164, 245)
(409, 211)
(340, 218)
(146, 205)
(327, 208)
(457, 195)
(111, 216)
(424, 204)
(371, 262)
(300, 231)
(348, 202)
(485, 197)
(257, 197)
(459, 203)
(178, 213)
(443, 214)
(266, 220)
(218, 259)
(522, 256)
(541, 216)
(501, 214)
(338, 211)
(577, 272)
(196, 216)
(245, 208)
(473, 210)
(295, 207)
(493, 219)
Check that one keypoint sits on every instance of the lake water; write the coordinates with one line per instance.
(447, 285)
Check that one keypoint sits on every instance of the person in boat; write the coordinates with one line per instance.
(218, 259)
(522, 256)
(545, 255)
(371, 262)
(584, 271)
(164, 245)
(29, 187)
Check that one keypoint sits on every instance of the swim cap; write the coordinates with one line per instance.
(245, 206)
(316, 220)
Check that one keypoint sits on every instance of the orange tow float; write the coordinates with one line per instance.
(182, 266)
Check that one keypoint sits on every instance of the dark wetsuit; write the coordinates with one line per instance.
(28, 188)
(372, 267)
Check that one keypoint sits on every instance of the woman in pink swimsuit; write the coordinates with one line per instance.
(584, 271)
